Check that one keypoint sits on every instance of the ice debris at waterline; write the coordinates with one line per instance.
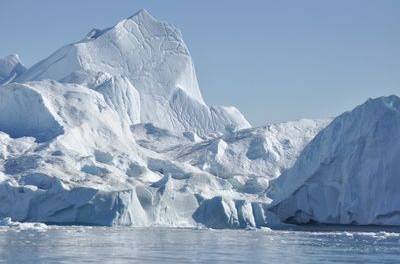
(113, 130)
(17, 226)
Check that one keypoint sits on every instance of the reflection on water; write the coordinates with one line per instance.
(127, 245)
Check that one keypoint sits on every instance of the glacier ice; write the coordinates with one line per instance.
(99, 169)
(113, 130)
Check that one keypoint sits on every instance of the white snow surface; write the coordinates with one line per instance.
(145, 72)
(349, 173)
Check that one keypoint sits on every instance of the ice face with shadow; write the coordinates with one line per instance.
(349, 173)
(10, 68)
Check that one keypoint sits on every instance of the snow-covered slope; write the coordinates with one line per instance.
(10, 68)
(349, 174)
(145, 72)
(247, 158)
(252, 157)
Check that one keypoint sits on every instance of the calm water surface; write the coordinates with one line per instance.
(136, 245)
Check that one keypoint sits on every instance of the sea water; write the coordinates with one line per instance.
(54, 244)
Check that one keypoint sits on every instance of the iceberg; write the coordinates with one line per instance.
(113, 130)
(349, 173)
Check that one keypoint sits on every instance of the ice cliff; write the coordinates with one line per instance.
(349, 173)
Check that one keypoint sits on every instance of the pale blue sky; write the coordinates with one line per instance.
(274, 60)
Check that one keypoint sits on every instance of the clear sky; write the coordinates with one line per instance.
(274, 60)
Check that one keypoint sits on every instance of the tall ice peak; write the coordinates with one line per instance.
(141, 17)
(391, 101)
(142, 13)
(144, 62)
